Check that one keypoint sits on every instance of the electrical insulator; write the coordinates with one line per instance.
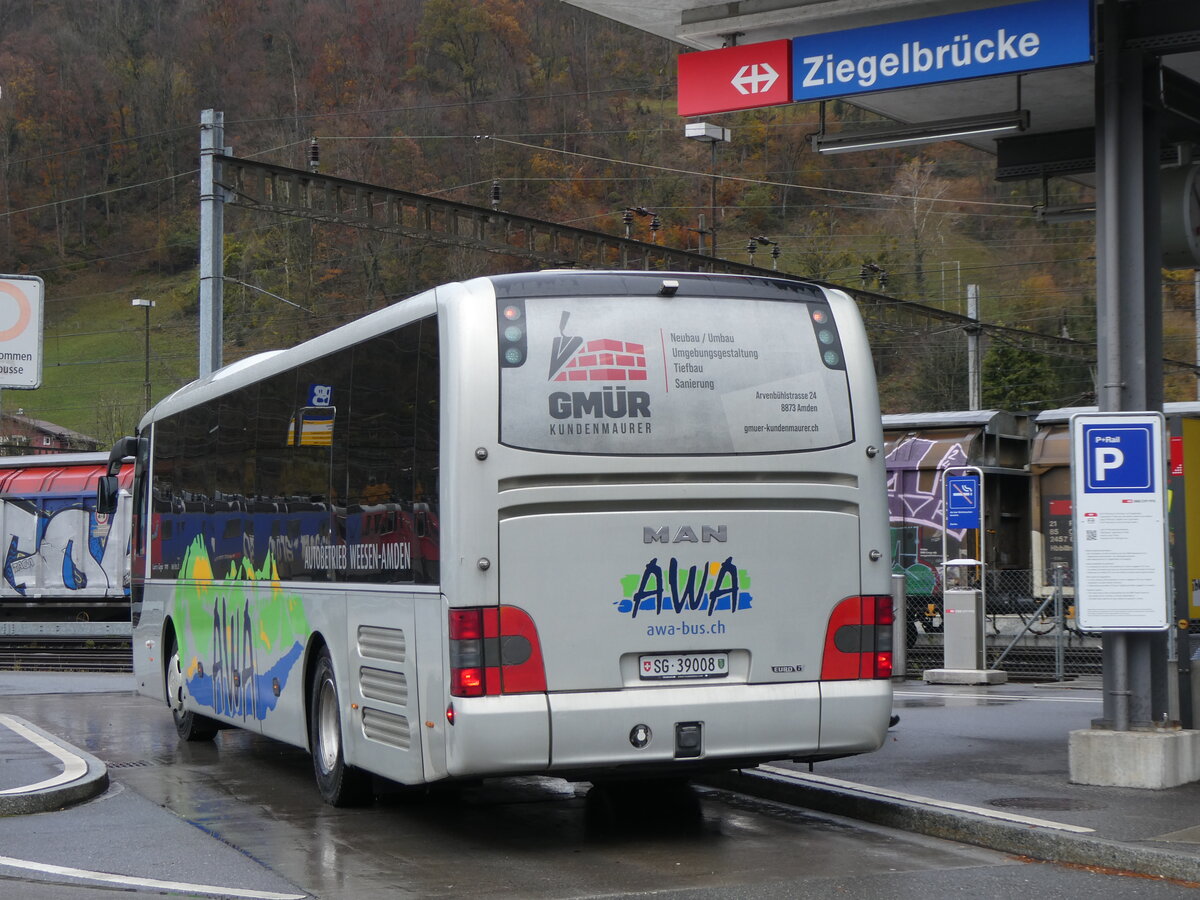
(627, 219)
(496, 194)
(314, 156)
(655, 224)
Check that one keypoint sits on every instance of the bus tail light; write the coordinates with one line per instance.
(494, 650)
(468, 676)
(858, 642)
(522, 669)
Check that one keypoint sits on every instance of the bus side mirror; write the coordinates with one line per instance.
(122, 450)
(106, 494)
(106, 485)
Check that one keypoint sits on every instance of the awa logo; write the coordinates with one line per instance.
(574, 359)
(709, 587)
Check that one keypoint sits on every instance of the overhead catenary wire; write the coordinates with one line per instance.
(738, 178)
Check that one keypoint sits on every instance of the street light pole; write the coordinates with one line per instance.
(711, 135)
(147, 304)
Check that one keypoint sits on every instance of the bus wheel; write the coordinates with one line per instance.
(190, 726)
(339, 784)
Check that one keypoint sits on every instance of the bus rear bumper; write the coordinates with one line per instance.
(666, 728)
(701, 725)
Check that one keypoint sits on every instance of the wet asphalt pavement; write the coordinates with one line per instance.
(241, 818)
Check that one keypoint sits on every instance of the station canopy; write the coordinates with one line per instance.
(1059, 138)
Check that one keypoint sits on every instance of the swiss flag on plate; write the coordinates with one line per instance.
(743, 77)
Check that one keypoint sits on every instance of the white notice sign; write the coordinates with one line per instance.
(21, 301)
(1119, 513)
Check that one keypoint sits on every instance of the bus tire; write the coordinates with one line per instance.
(190, 726)
(339, 784)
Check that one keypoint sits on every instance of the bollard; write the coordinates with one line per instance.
(899, 627)
(962, 633)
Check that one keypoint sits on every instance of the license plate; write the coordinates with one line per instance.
(684, 665)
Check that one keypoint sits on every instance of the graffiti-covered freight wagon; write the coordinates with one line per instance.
(920, 448)
(63, 561)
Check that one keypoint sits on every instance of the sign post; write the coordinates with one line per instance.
(964, 583)
(1119, 516)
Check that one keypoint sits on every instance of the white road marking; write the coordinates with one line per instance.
(924, 801)
(74, 767)
(999, 697)
(180, 887)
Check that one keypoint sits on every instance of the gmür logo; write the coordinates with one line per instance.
(604, 359)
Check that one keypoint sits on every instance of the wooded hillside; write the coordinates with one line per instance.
(572, 115)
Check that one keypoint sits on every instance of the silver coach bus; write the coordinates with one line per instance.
(588, 524)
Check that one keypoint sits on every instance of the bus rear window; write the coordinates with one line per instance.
(671, 376)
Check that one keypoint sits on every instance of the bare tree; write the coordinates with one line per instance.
(917, 189)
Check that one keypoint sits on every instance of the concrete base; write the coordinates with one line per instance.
(1140, 759)
(965, 676)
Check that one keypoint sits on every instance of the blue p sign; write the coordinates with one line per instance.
(1118, 458)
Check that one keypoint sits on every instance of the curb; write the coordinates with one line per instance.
(92, 782)
(1021, 839)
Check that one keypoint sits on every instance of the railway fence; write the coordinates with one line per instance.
(1029, 632)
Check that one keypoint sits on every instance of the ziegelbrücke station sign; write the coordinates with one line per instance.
(1028, 66)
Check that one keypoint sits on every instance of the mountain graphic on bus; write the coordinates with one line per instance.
(603, 359)
(240, 636)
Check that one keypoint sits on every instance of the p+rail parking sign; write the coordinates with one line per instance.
(1118, 489)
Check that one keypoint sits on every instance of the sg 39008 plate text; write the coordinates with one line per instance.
(683, 665)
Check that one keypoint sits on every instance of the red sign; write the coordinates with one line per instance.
(743, 77)
(1176, 455)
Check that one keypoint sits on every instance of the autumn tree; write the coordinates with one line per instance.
(1017, 379)
(917, 190)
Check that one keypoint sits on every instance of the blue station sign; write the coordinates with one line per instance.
(1001, 40)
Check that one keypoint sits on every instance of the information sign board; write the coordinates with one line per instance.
(999, 40)
(22, 298)
(1119, 519)
(962, 501)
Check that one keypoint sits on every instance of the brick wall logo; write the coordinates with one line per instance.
(572, 359)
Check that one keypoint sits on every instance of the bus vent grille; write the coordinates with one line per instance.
(386, 728)
(390, 687)
(381, 643)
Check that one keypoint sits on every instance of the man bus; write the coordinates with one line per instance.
(587, 524)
